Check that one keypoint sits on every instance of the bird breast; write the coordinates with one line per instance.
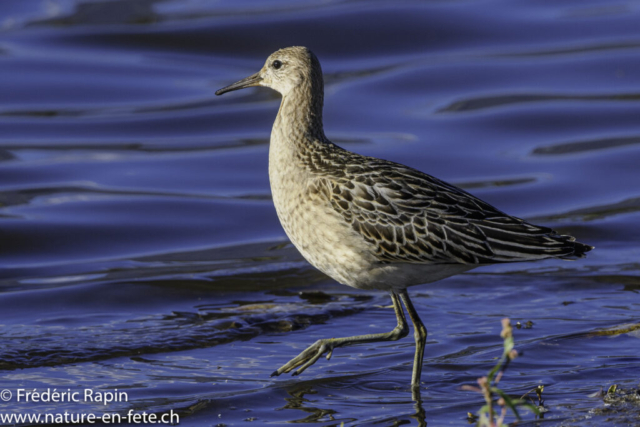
(316, 230)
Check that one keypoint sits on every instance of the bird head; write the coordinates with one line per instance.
(284, 71)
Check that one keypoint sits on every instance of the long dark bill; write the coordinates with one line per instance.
(253, 80)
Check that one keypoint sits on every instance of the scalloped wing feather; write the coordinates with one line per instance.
(408, 216)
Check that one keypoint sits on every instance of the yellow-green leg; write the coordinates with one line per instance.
(309, 356)
(420, 335)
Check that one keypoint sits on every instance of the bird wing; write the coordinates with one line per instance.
(409, 216)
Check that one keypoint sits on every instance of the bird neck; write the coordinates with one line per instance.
(299, 119)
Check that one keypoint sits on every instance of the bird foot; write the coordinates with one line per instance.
(307, 358)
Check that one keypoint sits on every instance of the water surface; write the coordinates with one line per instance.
(140, 251)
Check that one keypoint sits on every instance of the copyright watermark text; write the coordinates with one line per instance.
(84, 418)
(58, 396)
(87, 396)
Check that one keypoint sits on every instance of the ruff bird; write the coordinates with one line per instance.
(375, 224)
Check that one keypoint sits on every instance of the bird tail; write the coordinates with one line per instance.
(579, 249)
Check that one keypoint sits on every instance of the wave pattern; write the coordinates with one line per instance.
(139, 248)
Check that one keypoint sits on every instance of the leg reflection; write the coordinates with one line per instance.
(420, 415)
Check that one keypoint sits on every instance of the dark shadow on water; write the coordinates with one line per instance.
(594, 213)
(575, 50)
(579, 147)
(6, 155)
(505, 182)
(107, 13)
(487, 102)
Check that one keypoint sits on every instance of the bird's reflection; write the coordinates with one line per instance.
(298, 401)
(314, 414)
(420, 415)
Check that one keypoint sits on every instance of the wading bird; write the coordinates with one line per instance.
(374, 224)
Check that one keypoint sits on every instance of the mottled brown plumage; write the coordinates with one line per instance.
(409, 216)
(374, 224)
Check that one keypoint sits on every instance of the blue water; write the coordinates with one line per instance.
(140, 250)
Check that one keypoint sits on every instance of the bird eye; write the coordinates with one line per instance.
(276, 64)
